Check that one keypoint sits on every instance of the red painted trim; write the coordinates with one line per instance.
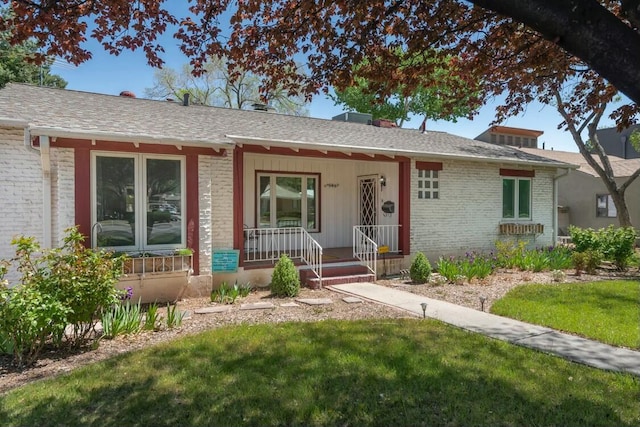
(404, 208)
(238, 201)
(280, 151)
(517, 172)
(193, 210)
(128, 147)
(429, 166)
(82, 192)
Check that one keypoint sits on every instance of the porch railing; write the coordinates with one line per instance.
(312, 254)
(268, 244)
(365, 249)
(383, 235)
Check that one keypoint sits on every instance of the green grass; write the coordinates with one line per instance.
(605, 311)
(366, 373)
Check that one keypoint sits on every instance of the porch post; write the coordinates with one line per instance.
(238, 201)
(193, 210)
(404, 210)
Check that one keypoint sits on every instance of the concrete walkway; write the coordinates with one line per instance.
(540, 338)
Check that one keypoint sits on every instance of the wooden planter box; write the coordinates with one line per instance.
(521, 229)
(156, 278)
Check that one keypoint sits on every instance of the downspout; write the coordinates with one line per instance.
(555, 204)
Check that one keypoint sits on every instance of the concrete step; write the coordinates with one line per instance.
(314, 283)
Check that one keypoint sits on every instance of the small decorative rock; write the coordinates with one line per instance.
(352, 300)
(257, 306)
(289, 304)
(315, 301)
(209, 310)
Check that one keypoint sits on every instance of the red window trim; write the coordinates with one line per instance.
(517, 173)
(429, 166)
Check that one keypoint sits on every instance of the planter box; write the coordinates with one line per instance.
(156, 278)
(521, 229)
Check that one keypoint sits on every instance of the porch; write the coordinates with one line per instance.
(318, 265)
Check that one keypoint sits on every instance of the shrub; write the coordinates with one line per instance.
(588, 261)
(618, 245)
(71, 285)
(420, 269)
(614, 244)
(509, 253)
(285, 281)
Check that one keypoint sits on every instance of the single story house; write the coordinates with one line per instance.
(583, 199)
(154, 178)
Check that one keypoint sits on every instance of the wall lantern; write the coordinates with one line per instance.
(383, 181)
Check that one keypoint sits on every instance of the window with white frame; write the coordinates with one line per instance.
(516, 198)
(605, 207)
(288, 200)
(138, 201)
(428, 184)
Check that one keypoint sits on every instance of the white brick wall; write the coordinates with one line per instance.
(469, 211)
(20, 192)
(62, 193)
(216, 206)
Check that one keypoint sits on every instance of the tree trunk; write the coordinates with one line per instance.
(585, 29)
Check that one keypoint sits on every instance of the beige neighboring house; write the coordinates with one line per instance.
(583, 199)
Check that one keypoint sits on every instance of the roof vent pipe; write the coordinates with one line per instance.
(185, 99)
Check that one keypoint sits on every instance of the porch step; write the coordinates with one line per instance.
(337, 274)
(339, 280)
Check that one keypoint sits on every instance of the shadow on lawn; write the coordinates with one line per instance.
(331, 373)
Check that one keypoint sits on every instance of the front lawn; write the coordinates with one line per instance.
(605, 311)
(382, 372)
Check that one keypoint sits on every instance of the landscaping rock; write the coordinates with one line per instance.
(257, 306)
(209, 310)
(289, 304)
(352, 300)
(315, 301)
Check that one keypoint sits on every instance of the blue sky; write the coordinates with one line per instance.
(110, 74)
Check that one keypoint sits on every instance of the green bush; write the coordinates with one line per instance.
(71, 285)
(618, 245)
(588, 261)
(614, 244)
(420, 269)
(285, 281)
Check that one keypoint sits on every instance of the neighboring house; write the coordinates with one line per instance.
(583, 199)
(148, 176)
(618, 143)
(513, 137)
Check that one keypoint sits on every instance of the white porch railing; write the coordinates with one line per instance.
(365, 249)
(268, 244)
(383, 235)
(564, 240)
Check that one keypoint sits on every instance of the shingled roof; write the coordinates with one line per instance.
(59, 112)
(622, 168)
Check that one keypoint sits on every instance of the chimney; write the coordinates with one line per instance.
(127, 94)
(384, 123)
(185, 99)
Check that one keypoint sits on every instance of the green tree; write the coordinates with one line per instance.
(218, 86)
(17, 63)
(444, 93)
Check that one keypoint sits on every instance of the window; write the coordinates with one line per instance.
(605, 207)
(137, 201)
(294, 203)
(428, 185)
(516, 198)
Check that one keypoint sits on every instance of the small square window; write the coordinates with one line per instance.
(420, 174)
(419, 194)
(434, 175)
(427, 195)
(435, 195)
(427, 184)
(435, 184)
(420, 184)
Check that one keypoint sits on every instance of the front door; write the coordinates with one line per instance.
(368, 201)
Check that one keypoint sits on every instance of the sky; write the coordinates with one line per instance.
(110, 74)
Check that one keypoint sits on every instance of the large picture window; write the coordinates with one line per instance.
(288, 201)
(516, 198)
(138, 201)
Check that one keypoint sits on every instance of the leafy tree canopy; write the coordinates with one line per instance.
(16, 63)
(445, 94)
(507, 45)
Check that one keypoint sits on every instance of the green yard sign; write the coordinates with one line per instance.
(225, 260)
